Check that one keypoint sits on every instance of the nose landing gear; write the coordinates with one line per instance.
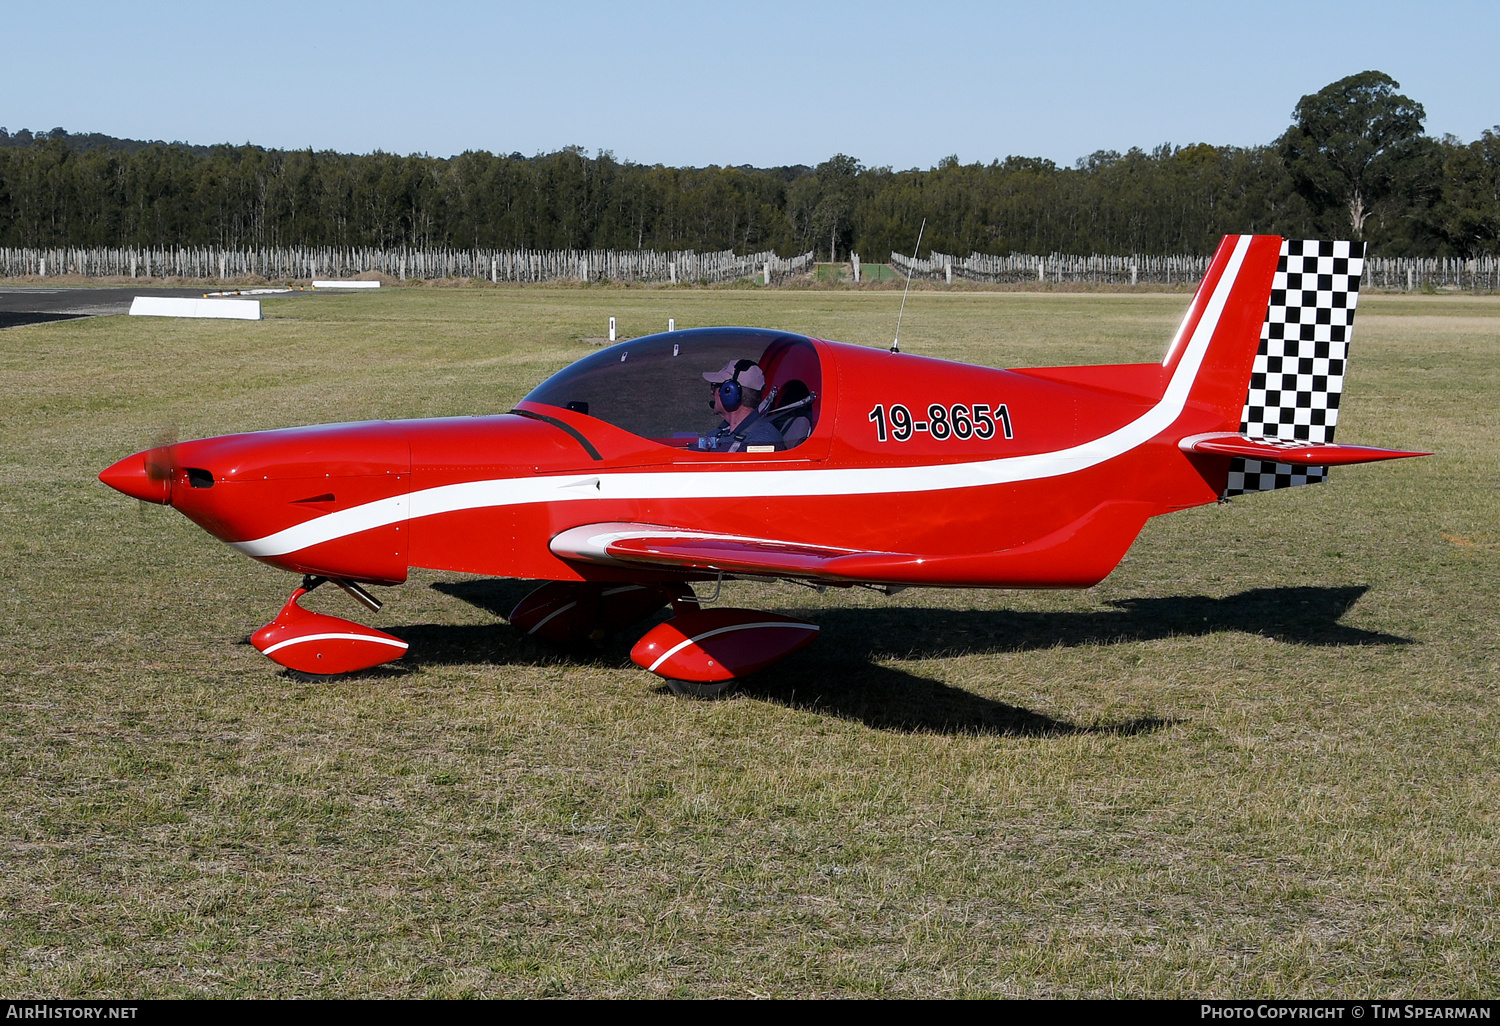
(321, 645)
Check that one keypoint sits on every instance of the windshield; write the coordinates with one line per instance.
(654, 386)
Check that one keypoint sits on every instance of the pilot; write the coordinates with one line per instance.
(738, 388)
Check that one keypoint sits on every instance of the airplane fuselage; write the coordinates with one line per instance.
(910, 455)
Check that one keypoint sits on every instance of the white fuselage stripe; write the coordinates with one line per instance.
(669, 653)
(725, 483)
(334, 637)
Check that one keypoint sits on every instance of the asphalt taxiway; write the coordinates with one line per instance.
(36, 304)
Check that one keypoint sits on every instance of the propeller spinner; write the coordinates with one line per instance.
(146, 475)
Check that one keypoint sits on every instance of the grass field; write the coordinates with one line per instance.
(1259, 759)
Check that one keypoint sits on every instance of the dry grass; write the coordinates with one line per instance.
(1260, 759)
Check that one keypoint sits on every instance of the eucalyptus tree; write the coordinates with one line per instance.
(1351, 143)
(1468, 214)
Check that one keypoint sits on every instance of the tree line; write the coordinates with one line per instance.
(1354, 163)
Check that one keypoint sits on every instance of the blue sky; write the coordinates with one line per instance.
(758, 82)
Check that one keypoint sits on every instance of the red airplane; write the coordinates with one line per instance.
(884, 469)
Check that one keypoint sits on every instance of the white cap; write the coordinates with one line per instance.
(750, 377)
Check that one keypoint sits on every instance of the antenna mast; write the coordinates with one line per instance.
(896, 342)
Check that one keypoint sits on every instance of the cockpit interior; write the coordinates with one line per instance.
(654, 386)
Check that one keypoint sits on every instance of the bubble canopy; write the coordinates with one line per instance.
(654, 387)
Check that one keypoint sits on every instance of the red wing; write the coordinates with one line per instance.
(685, 549)
(1076, 555)
(1290, 451)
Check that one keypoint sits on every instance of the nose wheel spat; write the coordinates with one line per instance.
(323, 645)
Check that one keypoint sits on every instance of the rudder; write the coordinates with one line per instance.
(1297, 380)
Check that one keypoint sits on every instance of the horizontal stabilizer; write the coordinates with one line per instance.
(1290, 451)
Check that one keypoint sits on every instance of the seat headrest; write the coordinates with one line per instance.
(793, 391)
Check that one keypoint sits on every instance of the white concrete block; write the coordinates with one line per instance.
(160, 306)
(346, 284)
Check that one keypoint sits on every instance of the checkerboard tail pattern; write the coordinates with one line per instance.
(1298, 375)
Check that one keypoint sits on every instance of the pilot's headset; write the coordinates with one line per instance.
(731, 392)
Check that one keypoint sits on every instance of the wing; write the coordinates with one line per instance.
(650, 545)
(1076, 555)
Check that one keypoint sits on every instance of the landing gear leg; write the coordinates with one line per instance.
(685, 600)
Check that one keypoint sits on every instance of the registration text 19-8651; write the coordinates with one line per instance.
(959, 421)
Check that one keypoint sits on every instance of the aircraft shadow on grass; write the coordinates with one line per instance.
(841, 675)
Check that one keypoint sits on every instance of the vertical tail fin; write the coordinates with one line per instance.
(1298, 375)
(1209, 361)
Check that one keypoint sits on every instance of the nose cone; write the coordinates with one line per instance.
(140, 479)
